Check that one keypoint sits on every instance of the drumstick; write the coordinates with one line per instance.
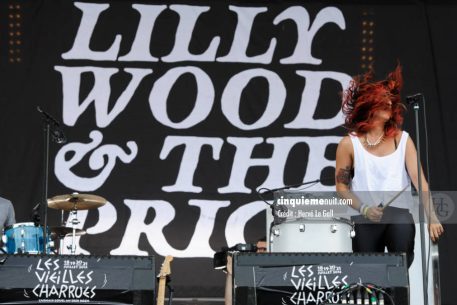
(393, 198)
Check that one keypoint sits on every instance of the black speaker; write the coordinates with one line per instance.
(319, 278)
(64, 279)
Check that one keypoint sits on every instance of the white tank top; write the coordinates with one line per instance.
(379, 179)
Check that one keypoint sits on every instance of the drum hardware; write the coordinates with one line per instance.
(276, 231)
(52, 246)
(333, 228)
(22, 242)
(301, 228)
(72, 203)
(62, 232)
(74, 222)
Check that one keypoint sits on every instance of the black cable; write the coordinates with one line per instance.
(380, 290)
(274, 290)
(300, 186)
(259, 193)
(353, 286)
(170, 291)
(345, 289)
(311, 185)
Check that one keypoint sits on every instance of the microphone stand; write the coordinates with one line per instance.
(414, 100)
(44, 194)
(58, 137)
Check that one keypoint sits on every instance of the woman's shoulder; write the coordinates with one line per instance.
(346, 140)
(402, 135)
(346, 143)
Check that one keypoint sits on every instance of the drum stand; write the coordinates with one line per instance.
(63, 231)
(73, 219)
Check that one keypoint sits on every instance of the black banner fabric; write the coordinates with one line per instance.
(51, 279)
(310, 278)
(176, 112)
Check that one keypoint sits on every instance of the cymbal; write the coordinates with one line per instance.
(61, 232)
(76, 201)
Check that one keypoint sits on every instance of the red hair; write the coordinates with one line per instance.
(365, 96)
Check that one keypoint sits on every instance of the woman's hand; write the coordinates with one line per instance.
(435, 230)
(374, 214)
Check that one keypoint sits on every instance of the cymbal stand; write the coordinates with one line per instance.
(61, 236)
(74, 222)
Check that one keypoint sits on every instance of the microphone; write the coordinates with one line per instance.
(36, 215)
(47, 116)
(36, 207)
(57, 133)
(415, 98)
(58, 136)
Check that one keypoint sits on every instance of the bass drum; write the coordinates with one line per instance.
(312, 235)
(24, 238)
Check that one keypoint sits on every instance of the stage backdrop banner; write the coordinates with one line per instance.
(177, 112)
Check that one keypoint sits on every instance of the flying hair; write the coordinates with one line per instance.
(364, 97)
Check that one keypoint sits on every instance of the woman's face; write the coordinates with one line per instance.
(384, 113)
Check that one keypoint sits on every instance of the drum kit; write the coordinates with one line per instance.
(28, 238)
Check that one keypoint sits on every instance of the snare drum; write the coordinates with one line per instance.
(312, 235)
(24, 238)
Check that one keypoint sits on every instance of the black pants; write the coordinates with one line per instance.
(396, 231)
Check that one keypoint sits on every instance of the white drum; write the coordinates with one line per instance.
(312, 235)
